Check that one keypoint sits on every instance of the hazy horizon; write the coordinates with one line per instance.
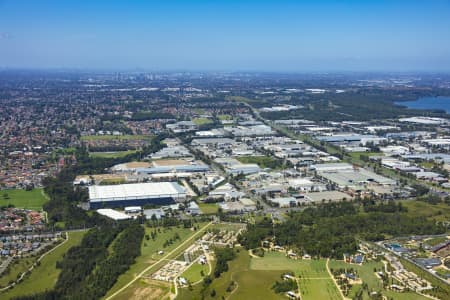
(223, 36)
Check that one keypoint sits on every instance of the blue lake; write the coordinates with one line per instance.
(428, 103)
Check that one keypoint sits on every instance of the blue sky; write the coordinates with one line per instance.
(294, 36)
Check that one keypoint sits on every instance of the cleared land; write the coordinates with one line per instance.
(45, 275)
(146, 289)
(33, 199)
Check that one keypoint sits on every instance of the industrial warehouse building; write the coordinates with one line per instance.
(136, 194)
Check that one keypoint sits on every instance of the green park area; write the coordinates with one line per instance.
(196, 272)
(33, 199)
(44, 276)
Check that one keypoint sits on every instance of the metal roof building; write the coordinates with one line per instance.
(136, 194)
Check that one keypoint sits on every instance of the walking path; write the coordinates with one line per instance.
(32, 266)
(334, 280)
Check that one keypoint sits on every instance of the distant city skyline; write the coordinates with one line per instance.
(273, 36)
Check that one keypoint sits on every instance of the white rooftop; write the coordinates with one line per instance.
(113, 214)
(135, 191)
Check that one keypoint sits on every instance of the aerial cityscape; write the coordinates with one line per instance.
(149, 159)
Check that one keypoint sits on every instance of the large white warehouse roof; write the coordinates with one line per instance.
(135, 191)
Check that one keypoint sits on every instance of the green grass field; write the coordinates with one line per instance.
(202, 121)
(116, 154)
(249, 284)
(315, 282)
(115, 137)
(193, 273)
(356, 156)
(435, 241)
(33, 199)
(16, 268)
(257, 285)
(45, 275)
(149, 253)
(208, 208)
(225, 117)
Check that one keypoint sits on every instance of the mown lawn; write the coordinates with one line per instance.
(194, 272)
(315, 282)
(33, 199)
(208, 208)
(257, 285)
(46, 274)
(16, 268)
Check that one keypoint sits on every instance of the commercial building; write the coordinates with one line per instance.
(136, 194)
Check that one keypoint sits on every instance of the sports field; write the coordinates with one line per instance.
(33, 199)
(45, 275)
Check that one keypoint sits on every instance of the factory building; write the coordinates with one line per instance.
(136, 194)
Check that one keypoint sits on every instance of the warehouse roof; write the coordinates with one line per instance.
(113, 214)
(135, 191)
